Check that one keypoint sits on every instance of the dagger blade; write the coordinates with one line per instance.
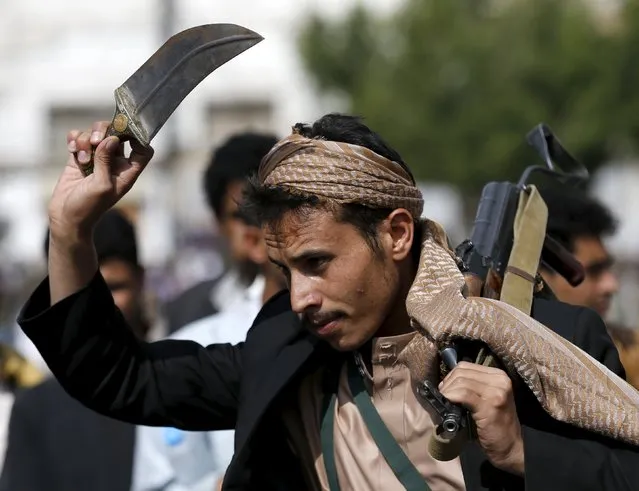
(149, 97)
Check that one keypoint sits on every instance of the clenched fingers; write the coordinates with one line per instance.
(482, 375)
(477, 398)
(98, 131)
(71, 137)
(140, 155)
(84, 141)
(83, 148)
(478, 387)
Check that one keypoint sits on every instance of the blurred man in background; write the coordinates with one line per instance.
(168, 459)
(581, 224)
(230, 166)
(55, 443)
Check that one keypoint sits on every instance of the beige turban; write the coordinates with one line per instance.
(340, 172)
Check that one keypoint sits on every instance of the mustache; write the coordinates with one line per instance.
(321, 318)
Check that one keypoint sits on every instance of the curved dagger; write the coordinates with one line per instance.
(148, 98)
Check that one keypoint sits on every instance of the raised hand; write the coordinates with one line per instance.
(78, 202)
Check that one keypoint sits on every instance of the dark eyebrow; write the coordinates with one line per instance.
(598, 266)
(310, 254)
(304, 256)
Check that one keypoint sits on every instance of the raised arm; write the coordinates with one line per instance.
(74, 323)
(96, 357)
(78, 202)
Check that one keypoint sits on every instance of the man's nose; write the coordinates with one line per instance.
(304, 295)
(609, 283)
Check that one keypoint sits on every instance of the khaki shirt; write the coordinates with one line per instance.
(360, 464)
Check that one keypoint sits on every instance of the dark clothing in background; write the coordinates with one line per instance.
(192, 304)
(56, 444)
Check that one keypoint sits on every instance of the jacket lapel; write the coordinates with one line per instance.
(273, 353)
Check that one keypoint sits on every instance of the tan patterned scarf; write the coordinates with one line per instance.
(569, 384)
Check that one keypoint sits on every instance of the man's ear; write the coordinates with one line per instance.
(255, 246)
(400, 230)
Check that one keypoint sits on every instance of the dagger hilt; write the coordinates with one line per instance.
(123, 125)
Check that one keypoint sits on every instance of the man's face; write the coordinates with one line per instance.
(342, 289)
(126, 283)
(234, 229)
(600, 283)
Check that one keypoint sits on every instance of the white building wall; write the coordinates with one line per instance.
(65, 54)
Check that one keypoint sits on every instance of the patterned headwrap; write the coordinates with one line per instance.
(340, 172)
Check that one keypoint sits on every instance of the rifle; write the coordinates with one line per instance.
(500, 260)
(487, 253)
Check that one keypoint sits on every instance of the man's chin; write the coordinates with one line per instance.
(345, 344)
(602, 308)
(342, 347)
(336, 342)
(336, 334)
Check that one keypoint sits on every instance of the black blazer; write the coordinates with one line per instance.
(90, 349)
(56, 444)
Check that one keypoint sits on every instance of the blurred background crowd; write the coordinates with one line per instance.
(453, 85)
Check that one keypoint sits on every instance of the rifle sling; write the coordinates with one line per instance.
(529, 232)
(400, 464)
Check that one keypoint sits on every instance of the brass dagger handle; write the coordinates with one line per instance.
(119, 127)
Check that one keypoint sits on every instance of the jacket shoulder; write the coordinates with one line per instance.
(278, 304)
(583, 327)
(562, 318)
(275, 325)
